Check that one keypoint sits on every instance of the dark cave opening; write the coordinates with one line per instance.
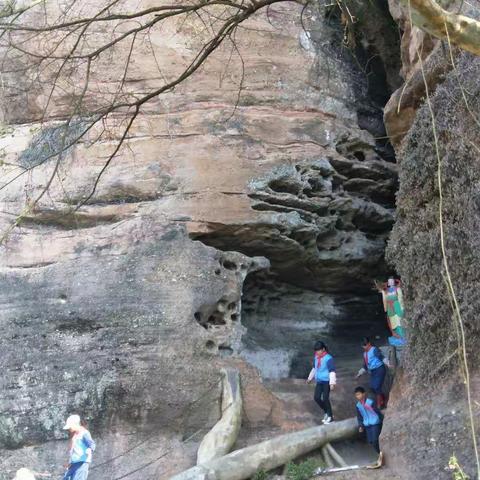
(283, 322)
(371, 45)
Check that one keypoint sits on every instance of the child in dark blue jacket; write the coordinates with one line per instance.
(370, 419)
(374, 363)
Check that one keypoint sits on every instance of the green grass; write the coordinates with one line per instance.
(303, 470)
(260, 475)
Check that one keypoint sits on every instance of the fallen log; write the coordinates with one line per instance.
(336, 456)
(327, 459)
(221, 438)
(270, 454)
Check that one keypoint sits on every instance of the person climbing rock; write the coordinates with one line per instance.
(82, 447)
(323, 372)
(393, 305)
(374, 362)
(370, 419)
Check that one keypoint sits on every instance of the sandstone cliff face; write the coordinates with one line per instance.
(434, 430)
(225, 236)
(126, 310)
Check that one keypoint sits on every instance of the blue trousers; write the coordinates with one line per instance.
(373, 434)
(377, 376)
(77, 471)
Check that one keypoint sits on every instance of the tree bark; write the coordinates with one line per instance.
(335, 455)
(221, 438)
(327, 458)
(464, 32)
(270, 454)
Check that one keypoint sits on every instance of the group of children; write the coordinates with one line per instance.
(370, 418)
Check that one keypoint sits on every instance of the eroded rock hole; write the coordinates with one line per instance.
(229, 265)
(210, 345)
(225, 350)
(215, 319)
(283, 186)
(209, 320)
(359, 155)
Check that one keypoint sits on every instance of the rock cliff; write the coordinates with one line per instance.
(216, 226)
(218, 231)
(435, 430)
(241, 221)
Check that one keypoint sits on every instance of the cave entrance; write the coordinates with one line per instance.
(283, 321)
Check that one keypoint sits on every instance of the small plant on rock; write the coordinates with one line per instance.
(456, 469)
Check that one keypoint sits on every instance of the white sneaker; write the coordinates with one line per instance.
(327, 420)
(325, 417)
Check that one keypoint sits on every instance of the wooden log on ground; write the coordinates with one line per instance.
(221, 438)
(270, 454)
(336, 456)
(327, 458)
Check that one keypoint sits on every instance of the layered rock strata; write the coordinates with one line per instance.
(119, 310)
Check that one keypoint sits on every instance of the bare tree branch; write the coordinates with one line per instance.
(428, 15)
(62, 47)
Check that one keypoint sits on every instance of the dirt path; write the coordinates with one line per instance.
(301, 411)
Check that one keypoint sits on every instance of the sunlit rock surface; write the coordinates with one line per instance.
(122, 311)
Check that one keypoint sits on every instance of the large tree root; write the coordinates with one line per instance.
(221, 438)
(270, 454)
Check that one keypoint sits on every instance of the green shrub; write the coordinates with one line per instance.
(260, 475)
(301, 471)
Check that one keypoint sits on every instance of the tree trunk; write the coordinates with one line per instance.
(429, 16)
(335, 455)
(270, 454)
(221, 438)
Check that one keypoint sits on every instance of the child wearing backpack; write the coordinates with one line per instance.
(323, 372)
(374, 363)
(370, 419)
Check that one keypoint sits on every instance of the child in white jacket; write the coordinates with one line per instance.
(323, 372)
